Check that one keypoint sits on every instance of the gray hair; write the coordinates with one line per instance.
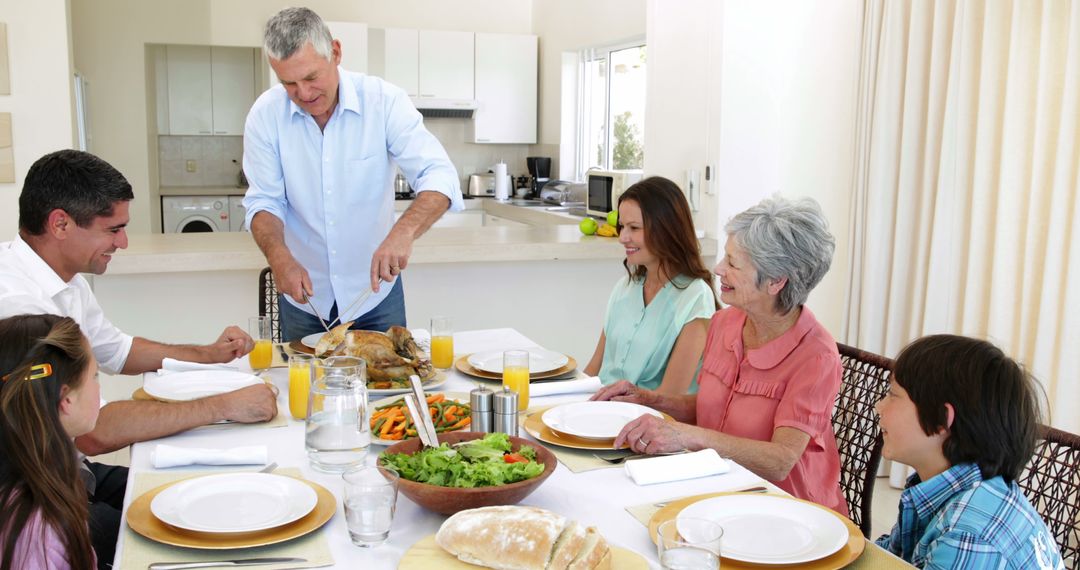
(786, 238)
(288, 31)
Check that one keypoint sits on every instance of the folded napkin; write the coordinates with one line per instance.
(667, 468)
(172, 365)
(587, 385)
(165, 456)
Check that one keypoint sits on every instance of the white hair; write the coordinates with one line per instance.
(288, 31)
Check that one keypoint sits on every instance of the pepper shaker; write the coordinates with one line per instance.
(506, 412)
(480, 403)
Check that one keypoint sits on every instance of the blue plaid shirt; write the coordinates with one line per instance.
(957, 520)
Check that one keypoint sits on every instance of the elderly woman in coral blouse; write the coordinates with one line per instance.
(770, 372)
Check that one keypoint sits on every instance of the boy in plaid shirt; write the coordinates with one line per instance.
(965, 416)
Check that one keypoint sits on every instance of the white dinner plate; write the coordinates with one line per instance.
(540, 360)
(195, 384)
(234, 502)
(312, 340)
(594, 420)
(768, 529)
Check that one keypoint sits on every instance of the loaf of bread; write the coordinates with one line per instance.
(523, 538)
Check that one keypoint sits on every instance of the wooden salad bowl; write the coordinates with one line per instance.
(449, 500)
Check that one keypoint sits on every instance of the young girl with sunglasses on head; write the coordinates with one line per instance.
(49, 395)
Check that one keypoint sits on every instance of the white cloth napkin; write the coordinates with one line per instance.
(668, 468)
(586, 385)
(169, 365)
(165, 456)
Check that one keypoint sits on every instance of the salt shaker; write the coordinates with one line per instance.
(506, 412)
(480, 403)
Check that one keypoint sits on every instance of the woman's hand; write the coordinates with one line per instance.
(652, 435)
(621, 391)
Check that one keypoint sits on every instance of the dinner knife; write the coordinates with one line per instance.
(222, 563)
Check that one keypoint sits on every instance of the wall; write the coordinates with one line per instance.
(571, 25)
(113, 56)
(39, 56)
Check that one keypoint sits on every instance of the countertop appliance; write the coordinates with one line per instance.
(483, 184)
(540, 170)
(563, 193)
(194, 214)
(402, 190)
(605, 187)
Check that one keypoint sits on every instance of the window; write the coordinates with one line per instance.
(608, 130)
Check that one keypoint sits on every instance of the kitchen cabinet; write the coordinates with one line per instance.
(427, 64)
(208, 90)
(506, 71)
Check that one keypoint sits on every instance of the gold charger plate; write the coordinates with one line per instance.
(143, 521)
(462, 365)
(846, 555)
(536, 427)
(426, 554)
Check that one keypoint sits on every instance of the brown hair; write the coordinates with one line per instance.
(669, 232)
(38, 464)
(994, 400)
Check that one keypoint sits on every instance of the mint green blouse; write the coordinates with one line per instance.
(639, 338)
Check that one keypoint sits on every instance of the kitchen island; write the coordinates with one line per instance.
(534, 269)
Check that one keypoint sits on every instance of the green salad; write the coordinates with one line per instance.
(482, 462)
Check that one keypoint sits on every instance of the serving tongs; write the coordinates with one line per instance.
(425, 428)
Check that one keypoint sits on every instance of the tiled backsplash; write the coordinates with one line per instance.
(213, 156)
(215, 160)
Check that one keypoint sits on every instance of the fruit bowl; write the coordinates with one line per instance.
(449, 500)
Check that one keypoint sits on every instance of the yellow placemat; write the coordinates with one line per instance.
(139, 551)
(579, 460)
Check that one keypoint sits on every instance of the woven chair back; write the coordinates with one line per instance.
(268, 302)
(1051, 481)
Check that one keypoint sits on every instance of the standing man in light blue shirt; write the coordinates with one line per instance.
(319, 154)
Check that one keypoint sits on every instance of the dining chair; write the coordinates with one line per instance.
(268, 302)
(858, 434)
(1051, 481)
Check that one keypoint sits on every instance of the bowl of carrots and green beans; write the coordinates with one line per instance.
(391, 422)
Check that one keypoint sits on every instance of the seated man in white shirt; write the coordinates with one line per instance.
(72, 213)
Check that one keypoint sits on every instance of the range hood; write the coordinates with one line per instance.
(445, 108)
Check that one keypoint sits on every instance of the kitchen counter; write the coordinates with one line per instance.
(546, 236)
(201, 191)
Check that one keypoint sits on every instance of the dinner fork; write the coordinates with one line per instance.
(618, 460)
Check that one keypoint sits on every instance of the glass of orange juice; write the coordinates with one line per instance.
(299, 384)
(516, 375)
(262, 355)
(442, 342)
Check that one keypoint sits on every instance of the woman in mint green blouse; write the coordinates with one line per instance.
(658, 315)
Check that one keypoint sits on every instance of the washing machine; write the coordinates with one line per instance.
(237, 214)
(193, 214)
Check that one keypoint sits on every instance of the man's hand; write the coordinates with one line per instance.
(248, 405)
(291, 278)
(391, 258)
(232, 344)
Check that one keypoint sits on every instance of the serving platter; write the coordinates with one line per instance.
(851, 549)
(142, 520)
(427, 554)
(462, 397)
(462, 365)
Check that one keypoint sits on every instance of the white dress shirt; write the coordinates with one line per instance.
(333, 188)
(29, 286)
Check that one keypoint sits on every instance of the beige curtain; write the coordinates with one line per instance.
(966, 182)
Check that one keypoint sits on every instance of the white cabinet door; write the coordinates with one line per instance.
(506, 67)
(232, 77)
(397, 54)
(446, 64)
(189, 89)
(354, 44)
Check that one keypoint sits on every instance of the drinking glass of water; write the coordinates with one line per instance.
(337, 434)
(370, 498)
(689, 544)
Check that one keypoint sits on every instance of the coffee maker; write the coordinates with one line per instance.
(540, 170)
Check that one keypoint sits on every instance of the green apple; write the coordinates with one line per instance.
(588, 226)
(613, 218)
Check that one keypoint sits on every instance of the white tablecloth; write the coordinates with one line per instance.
(597, 498)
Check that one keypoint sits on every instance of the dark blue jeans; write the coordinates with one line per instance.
(296, 324)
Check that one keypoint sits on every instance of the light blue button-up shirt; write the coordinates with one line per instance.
(333, 188)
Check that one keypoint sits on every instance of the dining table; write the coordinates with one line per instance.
(597, 497)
